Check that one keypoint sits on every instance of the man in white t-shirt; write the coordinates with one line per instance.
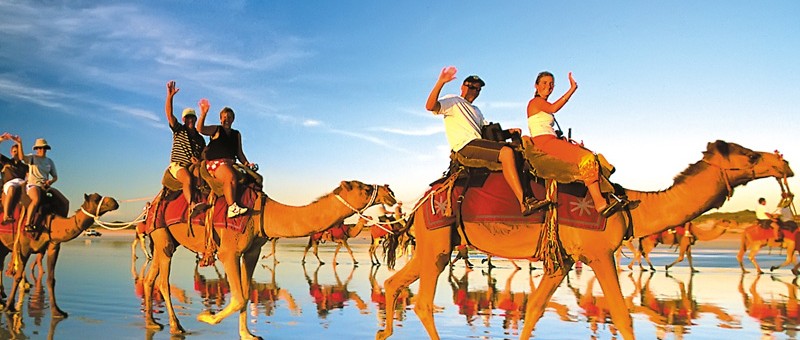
(463, 122)
(764, 219)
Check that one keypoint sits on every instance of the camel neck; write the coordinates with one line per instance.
(690, 196)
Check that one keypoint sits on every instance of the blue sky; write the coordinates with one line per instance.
(331, 91)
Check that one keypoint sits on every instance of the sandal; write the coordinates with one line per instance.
(532, 205)
(8, 220)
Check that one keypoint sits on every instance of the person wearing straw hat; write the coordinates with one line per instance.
(41, 176)
(187, 145)
(14, 170)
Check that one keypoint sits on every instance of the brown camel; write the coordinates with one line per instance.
(701, 187)
(754, 238)
(339, 234)
(683, 238)
(239, 252)
(379, 232)
(59, 230)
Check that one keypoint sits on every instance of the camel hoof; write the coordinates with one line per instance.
(207, 317)
(58, 314)
(176, 329)
(355, 262)
(321, 263)
(772, 269)
(795, 272)
(152, 324)
(666, 268)
(695, 271)
(760, 272)
(382, 334)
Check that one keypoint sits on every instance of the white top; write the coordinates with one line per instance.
(785, 213)
(541, 123)
(462, 120)
(39, 169)
(761, 212)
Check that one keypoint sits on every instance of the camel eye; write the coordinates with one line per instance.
(754, 158)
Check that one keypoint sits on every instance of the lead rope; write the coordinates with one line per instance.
(360, 213)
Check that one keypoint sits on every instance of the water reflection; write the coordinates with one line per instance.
(328, 297)
(775, 310)
(675, 311)
(378, 297)
(265, 295)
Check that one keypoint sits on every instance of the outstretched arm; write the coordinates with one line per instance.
(201, 122)
(18, 140)
(171, 91)
(448, 74)
(540, 104)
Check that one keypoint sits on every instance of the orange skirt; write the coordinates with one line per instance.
(568, 152)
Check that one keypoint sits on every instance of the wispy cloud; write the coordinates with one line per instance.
(425, 131)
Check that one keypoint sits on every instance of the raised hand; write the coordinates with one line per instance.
(448, 74)
(204, 105)
(572, 83)
(171, 89)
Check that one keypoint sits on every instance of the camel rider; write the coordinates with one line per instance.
(187, 144)
(223, 150)
(784, 215)
(463, 122)
(41, 176)
(765, 219)
(14, 170)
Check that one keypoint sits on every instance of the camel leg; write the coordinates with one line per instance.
(740, 254)
(646, 256)
(789, 255)
(678, 260)
(336, 252)
(373, 246)
(274, 254)
(52, 257)
(249, 261)
(538, 301)
(606, 274)
(350, 251)
(689, 257)
(158, 275)
(752, 256)
(19, 275)
(231, 259)
(305, 251)
(3, 253)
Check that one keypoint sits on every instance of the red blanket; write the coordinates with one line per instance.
(174, 212)
(8, 228)
(495, 202)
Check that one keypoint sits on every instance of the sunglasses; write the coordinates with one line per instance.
(473, 87)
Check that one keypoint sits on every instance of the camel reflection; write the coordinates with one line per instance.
(328, 297)
(266, 295)
(674, 313)
(158, 299)
(378, 297)
(489, 302)
(596, 308)
(775, 312)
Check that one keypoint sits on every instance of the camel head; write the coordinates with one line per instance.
(98, 205)
(742, 165)
(361, 195)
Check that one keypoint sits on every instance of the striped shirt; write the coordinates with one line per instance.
(185, 145)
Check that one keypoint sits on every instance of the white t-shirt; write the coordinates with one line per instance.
(785, 213)
(541, 123)
(462, 120)
(39, 169)
(761, 212)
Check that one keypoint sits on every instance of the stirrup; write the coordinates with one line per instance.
(532, 205)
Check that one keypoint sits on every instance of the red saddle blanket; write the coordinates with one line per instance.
(336, 233)
(8, 228)
(495, 202)
(175, 211)
(760, 234)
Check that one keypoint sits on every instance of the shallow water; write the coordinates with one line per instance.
(96, 286)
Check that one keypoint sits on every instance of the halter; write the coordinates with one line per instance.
(724, 173)
(96, 214)
(360, 213)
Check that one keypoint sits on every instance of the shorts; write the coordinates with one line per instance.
(15, 182)
(214, 164)
(174, 168)
(765, 224)
(572, 153)
(482, 149)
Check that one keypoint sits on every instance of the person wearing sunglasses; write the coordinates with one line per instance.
(463, 122)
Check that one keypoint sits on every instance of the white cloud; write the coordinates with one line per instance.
(311, 123)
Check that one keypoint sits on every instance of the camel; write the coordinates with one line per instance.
(380, 230)
(239, 252)
(702, 186)
(59, 230)
(328, 297)
(754, 238)
(338, 234)
(682, 238)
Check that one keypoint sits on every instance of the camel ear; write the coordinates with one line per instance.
(720, 147)
(85, 197)
(345, 185)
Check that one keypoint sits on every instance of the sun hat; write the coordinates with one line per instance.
(41, 143)
(188, 112)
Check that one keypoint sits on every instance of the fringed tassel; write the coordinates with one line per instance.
(448, 185)
(549, 250)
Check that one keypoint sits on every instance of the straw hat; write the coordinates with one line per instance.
(41, 143)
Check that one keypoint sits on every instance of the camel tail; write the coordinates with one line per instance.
(392, 241)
